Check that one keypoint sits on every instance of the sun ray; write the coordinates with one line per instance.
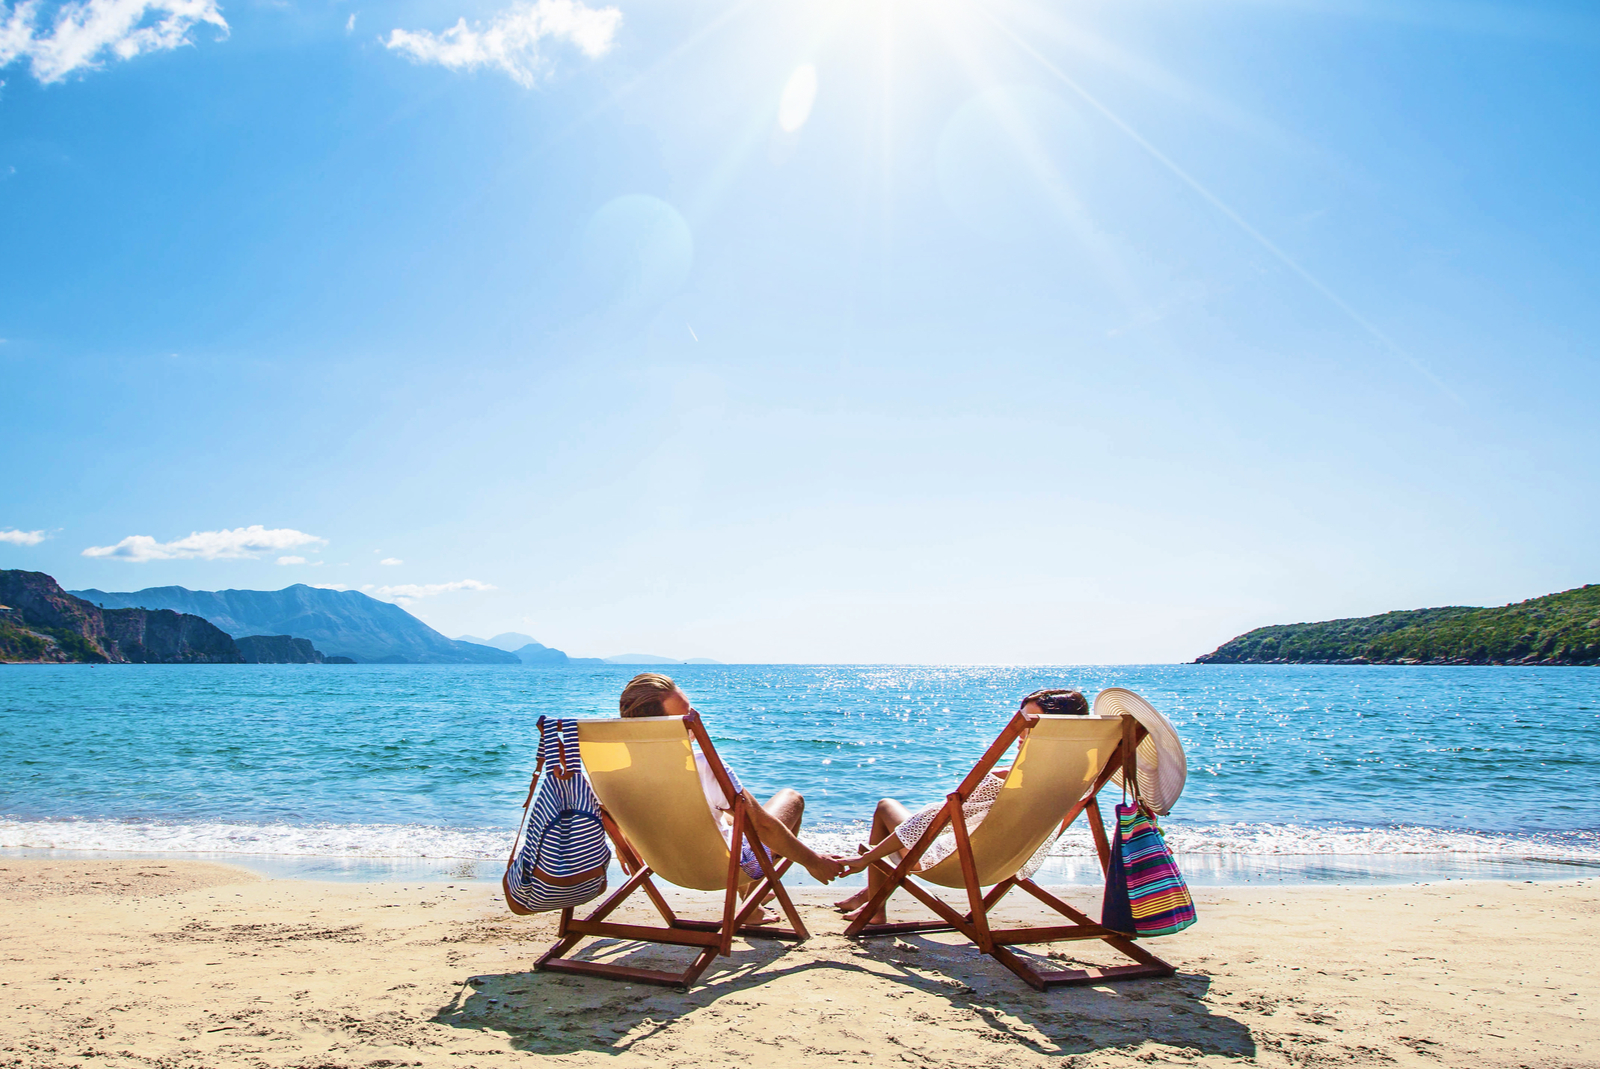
(1227, 211)
(757, 129)
(964, 48)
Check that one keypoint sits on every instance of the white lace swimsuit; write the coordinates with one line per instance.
(975, 808)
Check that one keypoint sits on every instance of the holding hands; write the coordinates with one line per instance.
(826, 869)
(829, 867)
(849, 866)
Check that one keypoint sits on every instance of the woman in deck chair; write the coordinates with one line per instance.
(895, 828)
(777, 822)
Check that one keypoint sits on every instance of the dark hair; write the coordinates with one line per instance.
(643, 694)
(1059, 702)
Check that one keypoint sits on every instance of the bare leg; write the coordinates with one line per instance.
(889, 815)
(789, 807)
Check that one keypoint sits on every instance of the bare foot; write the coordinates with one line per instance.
(855, 901)
(762, 915)
(881, 917)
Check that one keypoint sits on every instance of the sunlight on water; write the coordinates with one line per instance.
(403, 761)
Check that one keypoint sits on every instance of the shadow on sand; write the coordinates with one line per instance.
(840, 998)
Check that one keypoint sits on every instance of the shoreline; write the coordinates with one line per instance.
(1310, 870)
(140, 964)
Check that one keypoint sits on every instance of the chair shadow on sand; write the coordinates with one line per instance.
(919, 982)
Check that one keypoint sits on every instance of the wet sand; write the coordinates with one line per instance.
(177, 964)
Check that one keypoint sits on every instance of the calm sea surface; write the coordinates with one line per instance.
(1294, 771)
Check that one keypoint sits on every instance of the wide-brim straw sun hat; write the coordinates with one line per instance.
(1162, 766)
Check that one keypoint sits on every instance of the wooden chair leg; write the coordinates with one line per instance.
(772, 878)
(730, 900)
(1017, 965)
(660, 902)
(897, 875)
(1001, 941)
(969, 872)
(568, 939)
(709, 938)
(1097, 828)
(1115, 940)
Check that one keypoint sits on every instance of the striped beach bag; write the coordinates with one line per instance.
(559, 857)
(1145, 892)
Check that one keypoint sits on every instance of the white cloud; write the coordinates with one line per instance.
(22, 538)
(510, 42)
(412, 591)
(330, 586)
(350, 23)
(391, 560)
(291, 560)
(82, 35)
(237, 544)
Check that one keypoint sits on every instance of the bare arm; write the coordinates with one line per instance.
(889, 844)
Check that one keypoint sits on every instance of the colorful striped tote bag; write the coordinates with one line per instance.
(1145, 892)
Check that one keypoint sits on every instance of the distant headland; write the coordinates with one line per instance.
(41, 622)
(1557, 629)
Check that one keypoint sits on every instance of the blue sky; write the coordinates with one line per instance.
(953, 330)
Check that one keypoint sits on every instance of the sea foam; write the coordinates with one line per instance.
(480, 844)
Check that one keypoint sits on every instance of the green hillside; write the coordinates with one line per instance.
(1555, 629)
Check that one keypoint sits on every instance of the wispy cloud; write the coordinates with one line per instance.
(239, 543)
(510, 41)
(22, 538)
(391, 560)
(291, 560)
(84, 35)
(330, 586)
(350, 23)
(412, 591)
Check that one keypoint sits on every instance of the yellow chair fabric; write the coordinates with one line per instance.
(1054, 770)
(643, 771)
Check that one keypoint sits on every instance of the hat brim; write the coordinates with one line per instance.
(1163, 769)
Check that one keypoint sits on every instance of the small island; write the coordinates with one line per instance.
(1557, 629)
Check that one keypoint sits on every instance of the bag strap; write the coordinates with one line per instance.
(565, 770)
(1130, 759)
(553, 747)
(533, 785)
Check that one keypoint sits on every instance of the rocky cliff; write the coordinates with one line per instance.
(277, 649)
(42, 622)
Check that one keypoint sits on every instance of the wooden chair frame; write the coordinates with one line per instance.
(975, 923)
(713, 938)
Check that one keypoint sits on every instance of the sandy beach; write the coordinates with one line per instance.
(163, 963)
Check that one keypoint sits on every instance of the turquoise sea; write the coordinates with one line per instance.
(1296, 773)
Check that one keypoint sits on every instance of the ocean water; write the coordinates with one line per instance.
(1296, 773)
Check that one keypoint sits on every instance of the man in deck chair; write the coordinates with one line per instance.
(651, 791)
(777, 822)
(999, 820)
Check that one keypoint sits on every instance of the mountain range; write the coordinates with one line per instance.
(1556, 629)
(340, 623)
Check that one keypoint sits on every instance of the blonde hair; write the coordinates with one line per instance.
(644, 693)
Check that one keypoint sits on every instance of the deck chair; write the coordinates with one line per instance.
(655, 813)
(1060, 767)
